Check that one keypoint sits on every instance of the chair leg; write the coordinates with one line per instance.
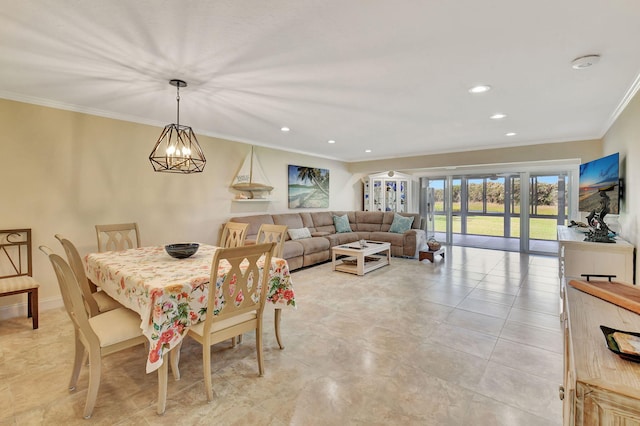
(163, 372)
(278, 313)
(78, 360)
(29, 303)
(174, 357)
(95, 366)
(206, 367)
(259, 350)
(33, 307)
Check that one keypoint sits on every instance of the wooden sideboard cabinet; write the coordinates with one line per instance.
(599, 388)
(579, 257)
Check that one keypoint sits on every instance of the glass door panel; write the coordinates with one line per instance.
(456, 196)
(438, 186)
(494, 196)
(402, 196)
(435, 196)
(377, 196)
(512, 205)
(547, 209)
(390, 200)
(475, 195)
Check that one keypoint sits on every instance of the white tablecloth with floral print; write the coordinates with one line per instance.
(170, 294)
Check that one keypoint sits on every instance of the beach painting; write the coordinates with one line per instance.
(308, 187)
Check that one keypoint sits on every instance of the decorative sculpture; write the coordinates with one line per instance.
(600, 232)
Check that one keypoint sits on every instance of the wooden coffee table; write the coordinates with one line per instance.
(374, 255)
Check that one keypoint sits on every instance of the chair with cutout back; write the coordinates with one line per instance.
(268, 233)
(233, 234)
(16, 271)
(116, 237)
(101, 335)
(96, 301)
(277, 234)
(243, 289)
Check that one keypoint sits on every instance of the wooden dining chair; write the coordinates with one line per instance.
(277, 234)
(120, 236)
(96, 301)
(101, 335)
(243, 290)
(268, 233)
(16, 270)
(233, 234)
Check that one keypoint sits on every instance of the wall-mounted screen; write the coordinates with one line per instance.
(596, 177)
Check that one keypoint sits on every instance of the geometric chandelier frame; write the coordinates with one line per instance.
(177, 149)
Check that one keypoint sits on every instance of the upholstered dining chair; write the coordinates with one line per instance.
(233, 234)
(101, 335)
(96, 301)
(268, 233)
(243, 289)
(115, 237)
(16, 276)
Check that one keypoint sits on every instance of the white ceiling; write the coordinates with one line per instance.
(390, 76)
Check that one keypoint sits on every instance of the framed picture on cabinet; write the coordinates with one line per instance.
(308, 187)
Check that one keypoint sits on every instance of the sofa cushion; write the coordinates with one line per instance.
(323, 222)
(368, 221)
(298, 234)
(292, 249)
(342, 238)
(290, 220)
(401, 224)
(314, 245)
(388, 237)
(342, 224)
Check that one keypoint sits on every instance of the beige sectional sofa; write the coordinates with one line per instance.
(316, 249)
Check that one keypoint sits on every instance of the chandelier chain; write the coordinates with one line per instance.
(178, 101)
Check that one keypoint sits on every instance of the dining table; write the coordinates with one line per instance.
(171, 294)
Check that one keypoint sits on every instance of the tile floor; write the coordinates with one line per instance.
(472, 340)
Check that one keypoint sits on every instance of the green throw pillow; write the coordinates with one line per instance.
(342, 224)
(401, 224)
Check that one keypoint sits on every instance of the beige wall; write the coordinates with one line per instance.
(63, 172)
(624, 137)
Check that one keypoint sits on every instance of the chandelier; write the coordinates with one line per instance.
(177, 149)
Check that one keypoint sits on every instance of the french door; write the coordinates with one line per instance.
(486, 210)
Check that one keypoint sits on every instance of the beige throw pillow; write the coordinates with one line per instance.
(298, 234)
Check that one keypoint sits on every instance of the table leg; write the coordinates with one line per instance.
(360, 263)
(163, 372)
(277, 325)
(174, 357)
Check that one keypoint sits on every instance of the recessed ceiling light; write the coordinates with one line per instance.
(481, 88)
(510, 134)
(331, 141)
(285, 129)
(585, 62)
(498, 116)
(367, 150)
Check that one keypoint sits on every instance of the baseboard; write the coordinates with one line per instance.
(20, 309)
